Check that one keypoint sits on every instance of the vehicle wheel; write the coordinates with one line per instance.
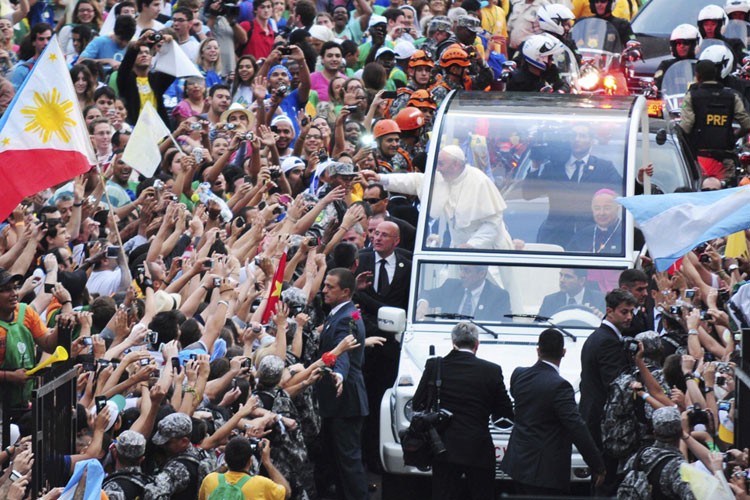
(405, 487)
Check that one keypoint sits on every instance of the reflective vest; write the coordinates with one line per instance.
(713, 105)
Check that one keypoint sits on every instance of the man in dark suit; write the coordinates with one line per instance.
(547, 424)
(376, 195)
(384, 275)
(603, 358)
(573, 291)
(569, 175)
(636, 282)
(473, 295)
(472, 389)
(342, 396)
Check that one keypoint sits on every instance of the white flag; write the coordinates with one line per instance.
(173, 61)
(142, 151)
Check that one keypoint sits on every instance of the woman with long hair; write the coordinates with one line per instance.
(84, 84)
(194, 100)
(209, 61)
(242, 85)
(85, 13)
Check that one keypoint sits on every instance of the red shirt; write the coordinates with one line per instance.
(259, 43)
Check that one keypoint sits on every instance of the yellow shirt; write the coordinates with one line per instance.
(493, 21)
(258, 488)
(622, 9)
(145, 92)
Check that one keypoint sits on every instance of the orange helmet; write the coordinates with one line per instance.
(409, 119)
(421, 99)
(420, 58)
(385, 127)
(455, 55)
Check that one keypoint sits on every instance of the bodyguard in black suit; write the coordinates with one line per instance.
(472, 389)
(603, 358)
(570, 177)
(636, 282)
(547, 423)
(573, 291)
(473, 295)
(342, 397)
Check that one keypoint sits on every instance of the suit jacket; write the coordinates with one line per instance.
(398, 293)
(642, 321)
(603, 358)
(353, 399)
(556, 301)
(493, 301)
(547, 423)
(403, 208)
(472, 389)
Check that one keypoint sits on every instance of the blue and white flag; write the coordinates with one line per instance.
(674, 224)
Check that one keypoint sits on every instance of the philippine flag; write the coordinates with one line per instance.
(43, 137)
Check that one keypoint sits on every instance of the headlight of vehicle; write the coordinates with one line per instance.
(408, 410)
(589, 78)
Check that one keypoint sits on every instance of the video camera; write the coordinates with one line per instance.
(228, 8)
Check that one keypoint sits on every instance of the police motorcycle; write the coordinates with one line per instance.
(739, 30)
(605, 60)
(557, 57)
(675, 84)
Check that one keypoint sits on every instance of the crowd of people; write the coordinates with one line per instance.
(212, 306)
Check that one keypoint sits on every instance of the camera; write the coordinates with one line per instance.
(88, 341)
(704, 258)
(705, 315)
(154, 37)
(144, 362)
(689, 294)
(245, 364)
(256, 446)
(217, 282)
(158, 184)
(209, 263)
(151, 337)
(196, 126)
(281, 91)
(432, 423)
(113, 252)
(631, 345)
(724, 295)
(697, 415)
(49, 287)
(352, 108)
(198, 155)
(721, 380)
(322, 156)
(285, 51)
(675, 310)
(101, 403)
(176, 364)
(230, 126)
(275, 173)
(248, 136)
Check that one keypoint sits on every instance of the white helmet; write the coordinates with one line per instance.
(713, 13)
(538, 49)
(721, 56)
(686, 32)
(552, 18)
(733, 6)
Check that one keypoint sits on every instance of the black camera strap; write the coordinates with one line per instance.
(438, 383)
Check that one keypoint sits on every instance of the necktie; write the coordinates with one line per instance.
(572, 301)
(467, 309)
(577, 172)
(383, 283)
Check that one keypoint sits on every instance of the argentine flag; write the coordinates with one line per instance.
(674, 224)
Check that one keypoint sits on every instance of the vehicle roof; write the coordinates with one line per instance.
(554, 104)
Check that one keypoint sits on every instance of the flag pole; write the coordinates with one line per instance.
(112, 215)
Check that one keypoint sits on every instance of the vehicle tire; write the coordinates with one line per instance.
(405, 486)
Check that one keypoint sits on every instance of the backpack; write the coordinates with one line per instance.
(638, 485)
(227, 491)
(131, 483)
(621, 418)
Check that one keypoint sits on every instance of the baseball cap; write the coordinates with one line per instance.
(471, 23)
(175, 425)
(375, 19)
(439, 23)
(404, 49)
(292, 162)
(384, 50)
(667, 423)
(339, 168)
(6, 277)
(131, 444)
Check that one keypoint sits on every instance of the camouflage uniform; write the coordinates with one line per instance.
(128, 483)
(183, 474)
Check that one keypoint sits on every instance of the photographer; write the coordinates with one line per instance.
(221, 19)
(290, 102)
(135, 80)
(238, 455)
(472, 390)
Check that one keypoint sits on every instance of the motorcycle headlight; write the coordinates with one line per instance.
(589, 79)
(408, 410)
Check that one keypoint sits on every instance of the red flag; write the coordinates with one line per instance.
(43, 137)
(274, 294)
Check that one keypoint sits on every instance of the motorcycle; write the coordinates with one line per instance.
(604, 57)
(739, 30)
(675, 84)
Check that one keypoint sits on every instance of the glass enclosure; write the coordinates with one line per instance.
(537, 173)
(491, 293)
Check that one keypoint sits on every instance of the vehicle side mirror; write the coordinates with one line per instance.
(393, 320)
(661, 136)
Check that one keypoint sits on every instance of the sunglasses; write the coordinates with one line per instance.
(372, 201)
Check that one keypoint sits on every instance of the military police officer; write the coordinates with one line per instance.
(708, 111)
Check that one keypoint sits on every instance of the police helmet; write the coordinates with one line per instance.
(592, 6)
(538, 49)
(733, 6)
(688, 33)
(553, 18)
(721, 56)
(712, 13)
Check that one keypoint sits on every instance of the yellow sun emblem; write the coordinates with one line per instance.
(50, 116)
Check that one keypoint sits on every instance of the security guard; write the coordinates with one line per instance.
(537, 70)
(683, 42)
(603, 10)
(391, 157)
(708, 111)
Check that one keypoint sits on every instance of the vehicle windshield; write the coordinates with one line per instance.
(659, 17)
(532, 175)
(676, 82)
(739, 30)
(570, 297)
(597, 39)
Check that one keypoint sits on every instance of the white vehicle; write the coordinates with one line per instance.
(510, 136)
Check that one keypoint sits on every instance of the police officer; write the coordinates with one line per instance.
(557, 20)
(712, 20)
(467, 29)
(683, 41)
(603, 10)
(128, 480)
(537, 70)
(724, 60)
(708, 111)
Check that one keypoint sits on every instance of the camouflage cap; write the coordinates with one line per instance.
(176, 425)
(471, 23)
(667, 423)
(439, 23)
(131, 444)
(339, 168)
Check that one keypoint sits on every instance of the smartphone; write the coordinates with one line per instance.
(101, 403)
(113, 252)
(217, 282)
(49, 287)
(689, 294)
(151, 337)
(209, 263)
(176, 364)
(144, 362)
(388, 94)
(88, 341)
(89, 367)
(102, 362)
